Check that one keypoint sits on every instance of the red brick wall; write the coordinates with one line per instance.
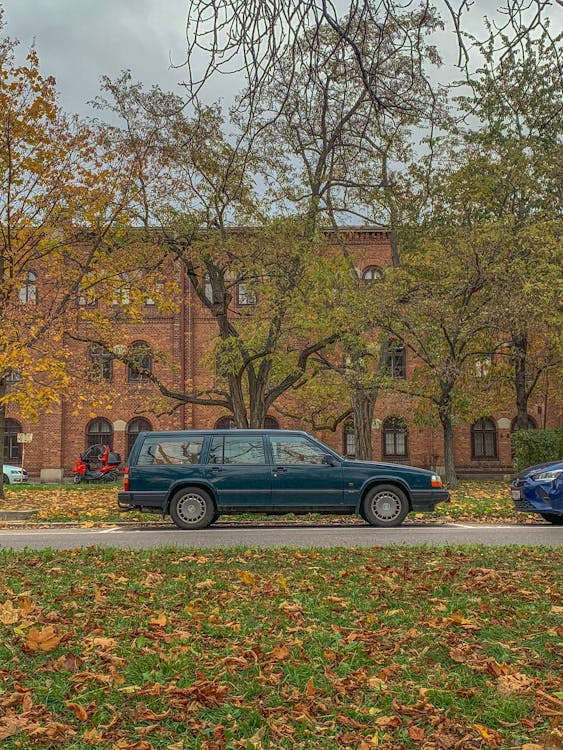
(60, 435)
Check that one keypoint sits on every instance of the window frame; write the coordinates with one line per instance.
(395, 426)
(99, 434)
(133, 376)
(482, 433)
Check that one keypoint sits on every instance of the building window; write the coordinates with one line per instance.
(396, 364)
(395, 434)
(122, 295)
(483, 439)
(371, 273)
(86, 296)
(483, 367)
(140, 365)
(101, 362)
(13, 376)
(135, 426)
(530, 426)
(349, 439)
(271, 423)
(12, 449)
(28, 292)
(244, 296)
(225, 423)
(99, 431)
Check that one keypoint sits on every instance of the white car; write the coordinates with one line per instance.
(13, 474)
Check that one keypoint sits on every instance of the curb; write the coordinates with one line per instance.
(16, 515)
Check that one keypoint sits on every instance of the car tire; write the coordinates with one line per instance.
(192, 508)
(554, 518)
(385, 506)
(5, 479)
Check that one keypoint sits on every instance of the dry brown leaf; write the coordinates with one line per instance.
(93, 737)
(389, 721)
(281, 653)
(46, 639)
(78, 710)
(9, 614)
(513, 683)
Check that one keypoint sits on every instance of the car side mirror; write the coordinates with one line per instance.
(329, 460)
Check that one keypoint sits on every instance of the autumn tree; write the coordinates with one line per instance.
(515, 153)
(58, 207)
(257, 277)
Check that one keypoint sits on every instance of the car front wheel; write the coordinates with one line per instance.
(554, 518)
(192, 508)
(5, 479)
(385, 506)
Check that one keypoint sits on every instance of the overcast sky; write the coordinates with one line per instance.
(78, 41)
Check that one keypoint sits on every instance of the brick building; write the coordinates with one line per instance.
(70, 426)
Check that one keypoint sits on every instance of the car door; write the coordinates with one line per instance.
(238, 471)
(301, 477)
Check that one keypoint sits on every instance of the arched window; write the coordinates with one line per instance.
(225, 423)
(12, 449)
(135, 426)
(101, 362)
(271, 423)
(371, 273)
(99, 430)
(349, 439)
(531, 424)
(141, 362)
(484, 439)
(28, 292)
(395, 437)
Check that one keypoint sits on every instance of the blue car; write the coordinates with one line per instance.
(539, 489)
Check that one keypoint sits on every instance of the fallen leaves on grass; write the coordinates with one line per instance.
(485, 501)
(391, 648)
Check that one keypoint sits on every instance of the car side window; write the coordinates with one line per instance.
(227, 449)
(295, 450)
(160, 451)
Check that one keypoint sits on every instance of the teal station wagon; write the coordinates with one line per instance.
(196, 476)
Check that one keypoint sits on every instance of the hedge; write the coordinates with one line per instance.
(530, 447)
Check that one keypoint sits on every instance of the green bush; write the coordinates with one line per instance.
(532, 447)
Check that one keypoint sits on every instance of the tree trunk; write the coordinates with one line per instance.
(520, 351)
(363, 404)
(2, 431)
(445, 412)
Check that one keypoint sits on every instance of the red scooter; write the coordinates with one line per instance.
(97, 464)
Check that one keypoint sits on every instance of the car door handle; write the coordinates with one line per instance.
(279, 470)
(216, 468)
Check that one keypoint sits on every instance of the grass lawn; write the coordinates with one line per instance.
(485, 501)
(391, 648)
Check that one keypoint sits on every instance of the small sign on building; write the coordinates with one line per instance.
(25, 437)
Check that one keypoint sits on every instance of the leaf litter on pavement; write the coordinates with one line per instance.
(393, 648)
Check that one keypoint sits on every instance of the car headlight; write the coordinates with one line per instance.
(547, 476)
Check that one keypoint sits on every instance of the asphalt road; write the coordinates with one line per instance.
(223, 536)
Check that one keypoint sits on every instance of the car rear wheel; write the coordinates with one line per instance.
(5, 479)
(554, 518)
(385, 506)
(192, 508)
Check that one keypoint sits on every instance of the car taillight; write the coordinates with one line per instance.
(126, 479)
(436, 481)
